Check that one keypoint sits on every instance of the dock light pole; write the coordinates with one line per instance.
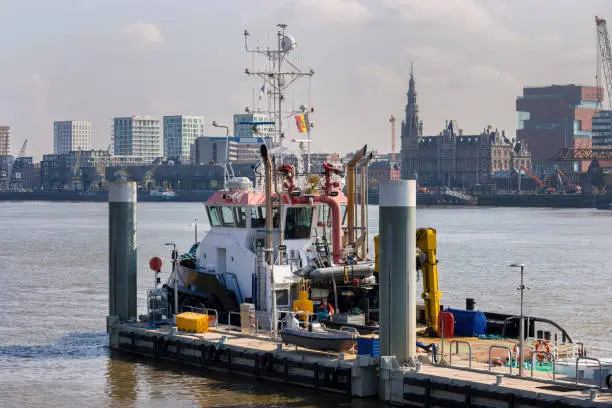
(522, 326)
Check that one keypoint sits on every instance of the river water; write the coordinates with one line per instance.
(54, 263)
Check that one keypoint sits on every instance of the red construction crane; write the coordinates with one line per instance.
(543, 187)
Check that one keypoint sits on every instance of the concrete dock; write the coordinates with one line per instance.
(260, 357)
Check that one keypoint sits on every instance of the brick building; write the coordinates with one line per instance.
(555, 117)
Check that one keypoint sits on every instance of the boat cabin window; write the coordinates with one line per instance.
(227, 216)
(282, 297)
(298, 223)
(241, 217)
(213, 216)
(258, 217)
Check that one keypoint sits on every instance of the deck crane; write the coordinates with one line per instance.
(605, 58)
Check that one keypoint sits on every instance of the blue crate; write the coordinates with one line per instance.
(368, 346)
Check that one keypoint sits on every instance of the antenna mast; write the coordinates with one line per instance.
(278, 75)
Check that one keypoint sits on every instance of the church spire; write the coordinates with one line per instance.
(411, 127)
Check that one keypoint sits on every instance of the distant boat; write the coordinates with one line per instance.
(165, 194)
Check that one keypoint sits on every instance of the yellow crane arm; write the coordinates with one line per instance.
(426, 241)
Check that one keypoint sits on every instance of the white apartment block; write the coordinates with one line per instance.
(5, 141)
(180, 133)
(137, 136)
(244, 124)
(71, 135)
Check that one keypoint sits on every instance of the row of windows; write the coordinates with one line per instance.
(297, 223)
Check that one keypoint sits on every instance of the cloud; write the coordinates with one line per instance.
(339, 11)
(464, 16)
(146, 33)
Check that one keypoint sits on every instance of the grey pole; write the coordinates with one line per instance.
(522, 324)
(398, 270)
(122, 250)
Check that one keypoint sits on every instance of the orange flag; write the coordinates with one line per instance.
(300, 121)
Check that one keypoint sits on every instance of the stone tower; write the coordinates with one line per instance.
(412, 130)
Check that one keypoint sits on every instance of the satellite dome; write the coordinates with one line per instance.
(288, 43)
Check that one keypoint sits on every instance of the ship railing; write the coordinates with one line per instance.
(497, 346)
(586, 359)
(544, 354)
(456, 343)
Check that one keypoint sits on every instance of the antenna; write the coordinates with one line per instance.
(279, 74)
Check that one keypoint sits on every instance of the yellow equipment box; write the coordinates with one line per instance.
(192, 322)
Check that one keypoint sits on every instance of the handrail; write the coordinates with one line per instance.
(591, 359)
(229, 319)
(450, 355)
(503, 348)
(546, 353)
(564, 334)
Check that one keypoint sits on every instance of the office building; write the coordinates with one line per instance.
(555, 117)
(602, 129)
(137, 136)
(71, 135)
(180, 133)
(245, 126)
(5, 141)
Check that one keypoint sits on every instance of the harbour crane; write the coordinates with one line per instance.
(605, 58)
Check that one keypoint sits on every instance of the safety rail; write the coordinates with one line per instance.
(503, 348)
(457, 342)
(228, 326)
(591, 359)
(265, 314)
(542, 353)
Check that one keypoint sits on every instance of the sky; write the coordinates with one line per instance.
(94, 59)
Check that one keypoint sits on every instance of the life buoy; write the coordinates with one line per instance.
(541, 348)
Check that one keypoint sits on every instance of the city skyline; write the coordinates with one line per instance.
(472, 59)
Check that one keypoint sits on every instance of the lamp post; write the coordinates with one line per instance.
(522, 326)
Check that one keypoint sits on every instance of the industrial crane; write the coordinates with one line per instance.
(571, 187)
(605, 58)
(543, 187)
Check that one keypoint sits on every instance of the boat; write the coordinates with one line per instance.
(164, 194)
(320, 339)
(285, 226)
(290, 228)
